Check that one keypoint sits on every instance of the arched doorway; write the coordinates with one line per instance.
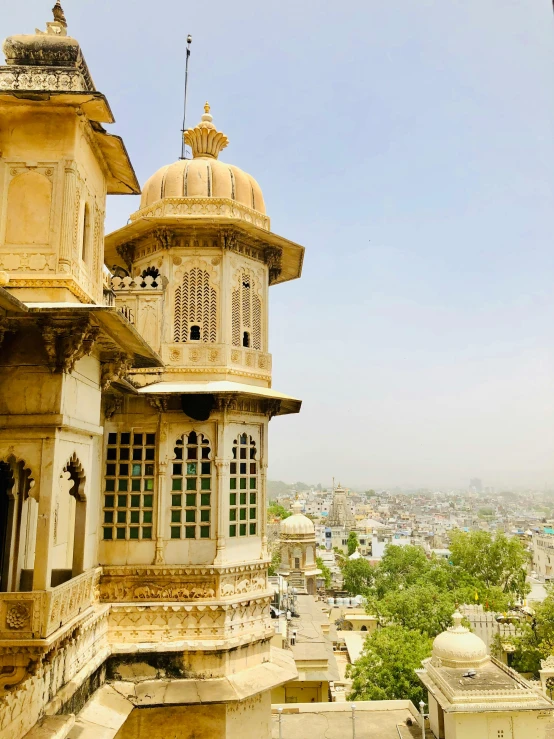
(18, 522)
(69, 524)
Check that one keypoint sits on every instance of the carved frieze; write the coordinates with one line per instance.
(124, 585)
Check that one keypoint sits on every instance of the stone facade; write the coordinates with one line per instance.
(134, 412)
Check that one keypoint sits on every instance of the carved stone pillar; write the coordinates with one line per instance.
(45, 526)
(160, 404)
(69, 217)
(263, 491)
(221, 523)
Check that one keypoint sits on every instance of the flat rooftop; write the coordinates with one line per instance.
(334, 721)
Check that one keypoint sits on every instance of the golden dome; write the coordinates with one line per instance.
(204, 176)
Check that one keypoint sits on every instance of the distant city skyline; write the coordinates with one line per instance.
(412, 152)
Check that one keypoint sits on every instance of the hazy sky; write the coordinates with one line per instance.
(409, 145)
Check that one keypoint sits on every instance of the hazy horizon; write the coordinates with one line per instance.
(409, 145)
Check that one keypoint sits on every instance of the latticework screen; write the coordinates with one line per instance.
(195, 308)
(246, 314)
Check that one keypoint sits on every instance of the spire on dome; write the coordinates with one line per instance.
(59, 15)
(204, 139)
(296, 507)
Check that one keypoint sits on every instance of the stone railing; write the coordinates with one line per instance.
(217, 356)
(119, 284)
(38, 614)
(203, 208)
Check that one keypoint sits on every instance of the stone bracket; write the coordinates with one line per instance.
(66, 343)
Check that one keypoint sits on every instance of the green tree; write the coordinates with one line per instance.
(276, 510)
(493, 560)
(385, 669)
(352, 542)
(274, 564)
(420, 607)
(357, 576)
(399, 567)
(534, 639)
(325, 571)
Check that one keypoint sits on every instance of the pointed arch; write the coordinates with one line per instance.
(18, 521)
(70, 518)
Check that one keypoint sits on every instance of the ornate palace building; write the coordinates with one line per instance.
(134, 411)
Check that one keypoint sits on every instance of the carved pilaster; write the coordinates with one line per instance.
(159, 558)
(69, 216)
(263, 508)
(222, 467)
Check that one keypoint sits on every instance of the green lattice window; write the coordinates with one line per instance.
(243, 493)
(191, 488)
(129, 486)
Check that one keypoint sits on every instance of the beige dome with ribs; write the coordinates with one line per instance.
(459, 647)
(204, 176)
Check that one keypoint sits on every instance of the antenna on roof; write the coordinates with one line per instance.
(183, 145)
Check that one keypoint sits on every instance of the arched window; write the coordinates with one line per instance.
(246, 314)
(18, 520)
(70, 510)
(191, 488)
(195, 308)
(85, 246)
(243, 481)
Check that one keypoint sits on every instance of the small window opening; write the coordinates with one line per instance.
(195, 333)
(246, 339)
(246, 283)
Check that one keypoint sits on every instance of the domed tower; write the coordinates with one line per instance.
(202, 227)
(298, 551)
(184, 479)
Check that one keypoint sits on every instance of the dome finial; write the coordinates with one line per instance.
(204, 139)
(457, 619)
(59, 15)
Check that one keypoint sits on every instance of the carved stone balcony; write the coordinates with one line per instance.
(37, 615)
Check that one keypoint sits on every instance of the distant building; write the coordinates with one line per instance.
(476, 485)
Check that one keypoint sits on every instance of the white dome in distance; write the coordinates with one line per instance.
(298, 524)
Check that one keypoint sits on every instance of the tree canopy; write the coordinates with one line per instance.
(386, 667)
(420, 592)
(534, 638)
(325, 571)
(357, 576)
(276, 510)
(492, 560)
(352, 542)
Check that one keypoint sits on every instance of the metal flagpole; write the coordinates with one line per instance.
(184, 128)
